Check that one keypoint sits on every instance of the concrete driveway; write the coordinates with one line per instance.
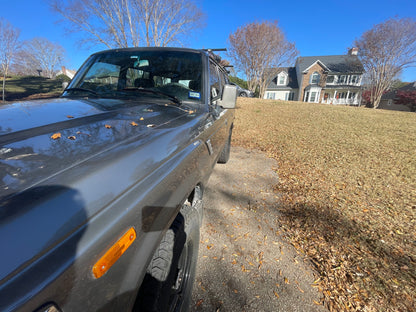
(244, 263)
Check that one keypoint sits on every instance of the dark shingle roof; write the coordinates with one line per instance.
(392, 94)
(334, 63)
(293, 81)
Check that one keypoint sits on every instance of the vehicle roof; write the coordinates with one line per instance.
(189, 50)
(152, 49)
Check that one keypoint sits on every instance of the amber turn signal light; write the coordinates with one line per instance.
(114, 253)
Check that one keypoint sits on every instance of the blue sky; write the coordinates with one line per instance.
(325, 27)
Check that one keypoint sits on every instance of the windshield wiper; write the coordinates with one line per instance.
(157, 92)
(82, 90)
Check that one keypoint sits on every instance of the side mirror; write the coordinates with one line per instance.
(229, 97)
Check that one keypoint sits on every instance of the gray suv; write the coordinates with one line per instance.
(242, 92)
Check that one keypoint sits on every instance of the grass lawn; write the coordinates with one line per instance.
(347, 195)
(31, 87)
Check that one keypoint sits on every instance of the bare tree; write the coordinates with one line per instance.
(41, 54)
(256, 48)
(385, 50)
(9, 44)
(24, 64)
(126, 23)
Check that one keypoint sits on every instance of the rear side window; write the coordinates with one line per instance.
(214, 81)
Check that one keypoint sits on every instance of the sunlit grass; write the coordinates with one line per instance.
(348, 195)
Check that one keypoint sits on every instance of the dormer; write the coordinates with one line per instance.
(282, 79)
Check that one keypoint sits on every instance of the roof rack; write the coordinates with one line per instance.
(216, 57)
(212, 50)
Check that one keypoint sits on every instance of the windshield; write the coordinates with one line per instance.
(172, 75)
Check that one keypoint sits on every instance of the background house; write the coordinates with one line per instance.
(391, 100)
(331, 79)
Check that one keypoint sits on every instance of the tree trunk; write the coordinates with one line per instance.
(4, 86)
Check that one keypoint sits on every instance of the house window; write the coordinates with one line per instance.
(289, 96)
(342, 79)
(330, 79)
(354, 79)
(270, 95)
(315, 78)
(351, 96)
(281, 79)
(313, 97)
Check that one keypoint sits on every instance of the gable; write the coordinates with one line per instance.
(317, 62)
(334, 64)
(288, 72)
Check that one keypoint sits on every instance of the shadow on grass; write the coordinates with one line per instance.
(347, 254)
(23, 87)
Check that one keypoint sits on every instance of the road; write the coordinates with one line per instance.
(244, 262)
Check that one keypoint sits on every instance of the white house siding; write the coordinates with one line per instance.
(280, 95)
(342, 97)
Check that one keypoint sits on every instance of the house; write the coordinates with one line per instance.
(390, 100)
(283, 85)
(331, 79)
(68, 72)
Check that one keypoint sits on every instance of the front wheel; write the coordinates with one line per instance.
(167, 285)
(225, 153)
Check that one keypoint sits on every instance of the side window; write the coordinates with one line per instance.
(214, 81)
(224, 79)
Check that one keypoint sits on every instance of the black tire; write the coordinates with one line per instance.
(225, 153)
(167, 285)
(243, 94)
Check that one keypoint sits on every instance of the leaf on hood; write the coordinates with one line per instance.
(56, 136)
(69, 116)
(108, 126)
(134, 124)
(72, 137)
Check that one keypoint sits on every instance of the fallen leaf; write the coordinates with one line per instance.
(200, 301)
(134, 124)
(69, 116)
(141, 118)
(276, 294)
(151, 126)
(56, 136)
(72, 137)
(108, 126)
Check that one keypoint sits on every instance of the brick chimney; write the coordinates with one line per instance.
(353, 51)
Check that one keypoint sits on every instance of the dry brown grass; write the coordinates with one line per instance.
(348, 195)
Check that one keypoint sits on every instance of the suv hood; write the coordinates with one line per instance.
(40, 138)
